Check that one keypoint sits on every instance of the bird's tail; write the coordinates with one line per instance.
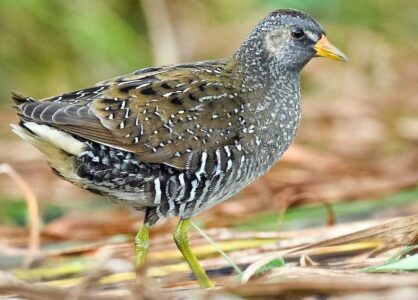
(58, 146)
(20, 99)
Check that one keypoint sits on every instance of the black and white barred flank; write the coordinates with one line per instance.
(166, 190)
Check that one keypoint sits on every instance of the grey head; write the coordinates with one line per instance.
(286, 40)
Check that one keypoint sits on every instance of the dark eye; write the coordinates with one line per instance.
(297, 33)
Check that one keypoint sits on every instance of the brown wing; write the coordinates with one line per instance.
(163, 115)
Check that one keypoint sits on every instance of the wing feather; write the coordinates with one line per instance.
(163, 115)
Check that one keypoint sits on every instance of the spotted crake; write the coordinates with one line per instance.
(176, 140)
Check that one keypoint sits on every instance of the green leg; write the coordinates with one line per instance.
(141, 245)
(182, 242)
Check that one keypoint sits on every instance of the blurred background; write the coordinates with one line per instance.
(357, 147)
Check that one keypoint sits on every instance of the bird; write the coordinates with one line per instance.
(175, 140)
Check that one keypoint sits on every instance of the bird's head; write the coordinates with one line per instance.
(289, 39)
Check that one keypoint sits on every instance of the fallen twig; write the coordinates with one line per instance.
(33, 212)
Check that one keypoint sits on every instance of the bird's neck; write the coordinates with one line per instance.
(259, 70)
(281, 107)
(250, 61)
(273, 86)
(274, 91)
(276, 110)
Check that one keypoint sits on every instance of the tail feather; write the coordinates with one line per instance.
(20, 99)
(32, 128)
(58, 148)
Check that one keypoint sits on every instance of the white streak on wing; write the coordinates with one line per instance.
(218, 187)
(239, 173)
(170, 199)
(228, 152)
(157, 186)
(182, 186)
(168, 94)
(99, 90)
(143, 85)
(202, 196)
(229, 165)
(56, 137)
(202, 165)
(193, 191)
(219, 164)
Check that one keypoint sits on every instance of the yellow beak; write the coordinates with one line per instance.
(324, 48)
